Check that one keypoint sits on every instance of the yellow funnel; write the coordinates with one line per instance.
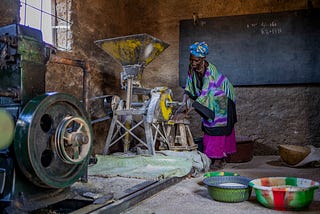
(138, 49)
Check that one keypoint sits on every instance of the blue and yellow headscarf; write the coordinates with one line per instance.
(199, 49)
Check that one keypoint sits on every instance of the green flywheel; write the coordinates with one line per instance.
(53, 140)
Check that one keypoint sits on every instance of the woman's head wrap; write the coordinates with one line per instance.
(199, 49)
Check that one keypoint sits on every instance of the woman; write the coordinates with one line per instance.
(214, 99)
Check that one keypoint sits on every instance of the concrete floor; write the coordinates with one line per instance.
(191, 196)
(174, 195)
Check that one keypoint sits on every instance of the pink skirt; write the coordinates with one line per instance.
(219, 146)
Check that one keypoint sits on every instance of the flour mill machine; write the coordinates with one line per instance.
(143, 107)
(45, 138)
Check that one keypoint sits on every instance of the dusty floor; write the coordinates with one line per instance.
(184, 195)
(189, 196)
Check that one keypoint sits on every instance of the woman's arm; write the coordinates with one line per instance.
(184, 109)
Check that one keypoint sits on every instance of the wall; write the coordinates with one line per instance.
(9, 11)
(269, 115)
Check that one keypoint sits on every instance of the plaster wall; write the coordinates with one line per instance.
(9, 11)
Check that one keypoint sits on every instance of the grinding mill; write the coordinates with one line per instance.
(46, 138)
(143, 107)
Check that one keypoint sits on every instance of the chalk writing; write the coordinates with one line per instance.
(267, 31)
(266, 28)
(271, 24)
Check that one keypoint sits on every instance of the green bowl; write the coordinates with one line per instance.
(213, 174)
(284, 193)
(228, 188)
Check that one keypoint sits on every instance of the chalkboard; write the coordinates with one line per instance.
(258, 49)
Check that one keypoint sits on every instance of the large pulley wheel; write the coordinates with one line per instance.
(53, 140)
(72, 140)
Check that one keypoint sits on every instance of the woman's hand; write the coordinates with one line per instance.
(180, 113)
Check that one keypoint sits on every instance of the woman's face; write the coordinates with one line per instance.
(196, 62)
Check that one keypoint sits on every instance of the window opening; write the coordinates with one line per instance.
(52, 17)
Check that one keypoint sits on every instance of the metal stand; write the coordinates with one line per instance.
(133, 52)
(117, 124)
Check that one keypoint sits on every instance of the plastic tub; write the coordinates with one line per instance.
(228, 188)
(284, 193)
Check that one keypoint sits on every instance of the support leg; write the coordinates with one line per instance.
(149, 138)
(110, 134)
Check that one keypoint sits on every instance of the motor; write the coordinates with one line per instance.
(46, 137)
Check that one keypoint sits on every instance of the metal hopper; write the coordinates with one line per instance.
(133, 51)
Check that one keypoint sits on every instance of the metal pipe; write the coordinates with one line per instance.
(100, 120)
(86, 74)
(129, 92)
(86, 86)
